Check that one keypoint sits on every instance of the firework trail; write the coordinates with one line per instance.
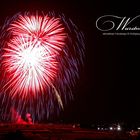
(39, 64)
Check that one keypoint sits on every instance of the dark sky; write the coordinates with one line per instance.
(109, 86)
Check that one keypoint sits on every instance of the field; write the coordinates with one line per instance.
(60, 132)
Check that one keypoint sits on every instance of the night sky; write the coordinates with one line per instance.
(109, 85)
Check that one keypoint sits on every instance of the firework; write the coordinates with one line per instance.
(40, 60)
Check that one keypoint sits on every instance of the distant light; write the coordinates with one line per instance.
(111, 128)
(138, 128)
(98, 128)
(119, 128)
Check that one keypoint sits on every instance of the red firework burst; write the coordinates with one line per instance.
(40, 59)
(30, 55)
